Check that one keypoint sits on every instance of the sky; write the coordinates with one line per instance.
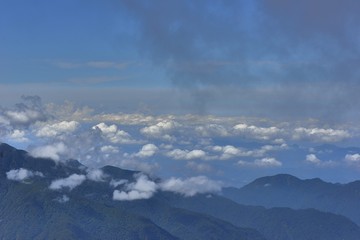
(231, 90)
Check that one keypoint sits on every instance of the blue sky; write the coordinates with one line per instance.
(292, 65)
(299, 59)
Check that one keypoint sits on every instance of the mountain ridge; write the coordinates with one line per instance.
(273, 191)
(87, 209)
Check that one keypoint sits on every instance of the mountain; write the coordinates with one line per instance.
(30, 210)
(43, 199)
(288, 191)
(274, 223)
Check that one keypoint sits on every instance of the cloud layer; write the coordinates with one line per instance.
(180, 146)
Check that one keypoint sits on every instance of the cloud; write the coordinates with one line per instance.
(261, 133)
(69, 111)
(320, 134)
(116, 183)
(70, 182)
(18, 136)
(267, 162)
(23, 117)
(26, 113)
(284, 53)
(96, 175)
(352, 159)
(53, 151)
(196, 139)
(131, 195)
(210, 130)
(22, 174)
(179, 154)
(127, 119)
(114, 135)
(262, 163)
(230, 151)
(161, 130)
(191, 186)
(313, 159)
(52, 130)
(109, 149)
(143, 188)
(147, 150)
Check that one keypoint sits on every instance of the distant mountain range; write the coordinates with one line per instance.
(288, 191)
(44, 199)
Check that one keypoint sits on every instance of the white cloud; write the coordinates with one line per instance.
(353, 159)
(96, 175)
(161, 130)
(18, 136)
(262, 163)
(24, 117)
(126, 119)
(320, 134)
(147, 150)
(22, 174)
(230, 151)
(116, 183)
(106, 129)
(312, 158)
(143, 188)
(26, 113)
(267, 162)
(191, 186)
(52, 130)
(114, 135)
(70, 182)
(131, 195)
(53, 151)
(209, 130)
(261, 133)
(109, 149)
(179, 154)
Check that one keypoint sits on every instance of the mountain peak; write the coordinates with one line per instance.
(118, 173)
(4, 147)
(276, 180)
(10, 158)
